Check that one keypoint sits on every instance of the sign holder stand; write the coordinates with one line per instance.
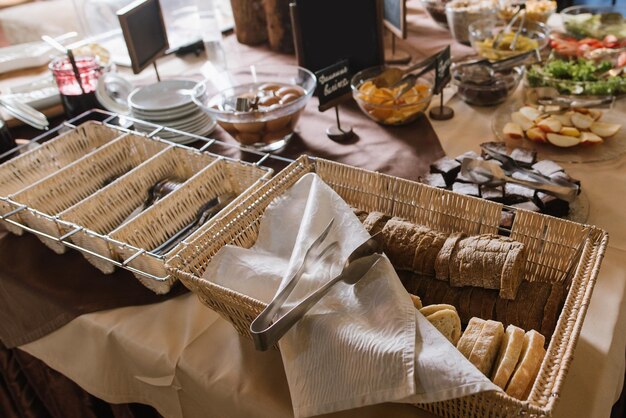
(442, 78)
(156, 70)
(337, 133)
(396, 56)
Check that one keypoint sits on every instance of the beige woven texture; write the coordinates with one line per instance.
(179, 208)
(53, 155)
(554, 245)
(68, 186)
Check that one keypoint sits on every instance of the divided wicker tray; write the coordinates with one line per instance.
(556, 247)
(32, 166)
(78, 189)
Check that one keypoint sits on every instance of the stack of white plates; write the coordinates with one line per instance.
(169, 103)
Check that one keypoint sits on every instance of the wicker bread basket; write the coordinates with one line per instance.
(34, 165)
(68, 186)
(178, 209)
(555, 246)
(106, 209)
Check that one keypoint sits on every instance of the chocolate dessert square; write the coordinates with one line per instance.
(527, 206)
(466, 189)
(493, 193)
(514, 193)
(547, 167)
(435, 180)
(468, 154)
(524, 156)
(447, 167)
(506, 220)
(552, 205)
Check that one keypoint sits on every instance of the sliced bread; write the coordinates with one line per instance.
(447, 321)
(528, 366)
(487, 346)
(431, 309)
(467, 341)
(508, 356)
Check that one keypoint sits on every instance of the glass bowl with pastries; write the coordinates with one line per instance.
(536, 10)
(497, 39)
(396, 104)
(258, 105)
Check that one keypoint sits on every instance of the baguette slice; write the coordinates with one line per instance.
(510, 350)
(375, 222)
(431, 309)
(442, 270)
(467, 341)
(487, 346)
(447, 321)
(528, 366)
(417, 302)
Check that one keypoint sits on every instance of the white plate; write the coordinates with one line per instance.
(167, 115)
(173, 119)
(162, 96)
(179, 139)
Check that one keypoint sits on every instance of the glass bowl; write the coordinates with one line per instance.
(533, 35)
(461, 13)
(382, 105)
(487, 94)
(269, 125)
(437, 11)
(535, 77)
(536, 10)
(594, 21)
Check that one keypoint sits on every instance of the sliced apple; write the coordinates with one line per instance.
(589, 138)
(513, 131)
(569, 131)
(521, 120)
(595, 114)
(530, 112)
(535, 134)
(563, 141)
(581, 121)
(550, 125)
(605, 130)
(565, 119)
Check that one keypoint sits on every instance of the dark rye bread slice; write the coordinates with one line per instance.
(502, 311)
(464, 303)
(530, 314)
(452, 296)
(494, 257)
(433, 290)
(513, 270)
(374, 222)
(419, 255)
(409, 281)
(470, 257)
(401, 239)
(552, 309)
(442, 270)
(432, 251)
(361, 214)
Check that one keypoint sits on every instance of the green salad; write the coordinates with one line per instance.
(595, 25)
(577, 77)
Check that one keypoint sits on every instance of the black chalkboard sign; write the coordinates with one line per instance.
(333, 82)
(327, 31)
(144, 32)
(394, 17)
(442, 70)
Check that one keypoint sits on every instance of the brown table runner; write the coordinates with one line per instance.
(41, 291)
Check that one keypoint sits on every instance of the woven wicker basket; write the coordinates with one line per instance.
(178, 209)
(48, 158)
(554, 246)
(59, 191)
(106, 209)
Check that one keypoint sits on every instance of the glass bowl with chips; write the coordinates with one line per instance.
(396, 105)
(489, 40)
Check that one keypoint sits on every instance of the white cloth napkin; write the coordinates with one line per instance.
(361, 344)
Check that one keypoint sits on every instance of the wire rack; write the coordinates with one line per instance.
(122, 123)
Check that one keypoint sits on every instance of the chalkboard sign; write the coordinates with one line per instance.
(442, 70)
(327, 31)
(144, 32)
(394, 17)
(333, 82)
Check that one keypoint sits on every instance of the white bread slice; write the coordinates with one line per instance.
(417, 302)
(431, 309)
(448, 323)
(470, 335)
(510, 350)
(528, 366)
(487, 346)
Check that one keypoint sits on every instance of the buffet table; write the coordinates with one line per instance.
(184, 360)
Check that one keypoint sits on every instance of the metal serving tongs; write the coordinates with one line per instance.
(498, 39)
(483, 70)
(266, 330)
(549, 96)
(486, 172)
(25, 113)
